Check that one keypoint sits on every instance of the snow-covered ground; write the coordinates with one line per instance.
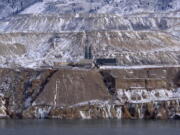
(13, 7)
(138, 66)
(35, 8)
(38, 49)
(103, 6)
(26, 39)
(145, 96)
(44, 23)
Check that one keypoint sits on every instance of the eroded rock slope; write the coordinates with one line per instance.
(85, 94)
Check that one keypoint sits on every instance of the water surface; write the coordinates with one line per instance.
(89, 127)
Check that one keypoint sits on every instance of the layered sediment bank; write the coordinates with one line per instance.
(140, 93)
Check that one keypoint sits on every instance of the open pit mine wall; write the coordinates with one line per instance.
(10, 7)
(48, 40)
(89, 94)
(30, 50)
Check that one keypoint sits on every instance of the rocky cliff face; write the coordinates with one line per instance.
(24, 90)
(9, 7)
(58, 35)
(29, 40)
(51, 23)
(34, 50)
(42, 44)
(103, 6)
(84, 94)
(12, 7)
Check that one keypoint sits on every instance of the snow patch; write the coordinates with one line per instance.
(143, 95)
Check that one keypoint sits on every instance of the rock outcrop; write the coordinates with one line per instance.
(13, 7)
(85, 94)
(26, 88)
(103, 6)
(49, 53)
(35, 50)
(50, 32)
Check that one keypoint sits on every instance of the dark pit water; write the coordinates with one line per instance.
(89, 127)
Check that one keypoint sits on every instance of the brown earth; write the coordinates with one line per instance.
(25, 92)
(72, 87)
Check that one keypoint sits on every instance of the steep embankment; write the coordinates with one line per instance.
(72, 94)
(13, 7)
(104, 6)
(47, 23)
(130, 48)
(23, 89)
(29, 40)
(59, 34)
